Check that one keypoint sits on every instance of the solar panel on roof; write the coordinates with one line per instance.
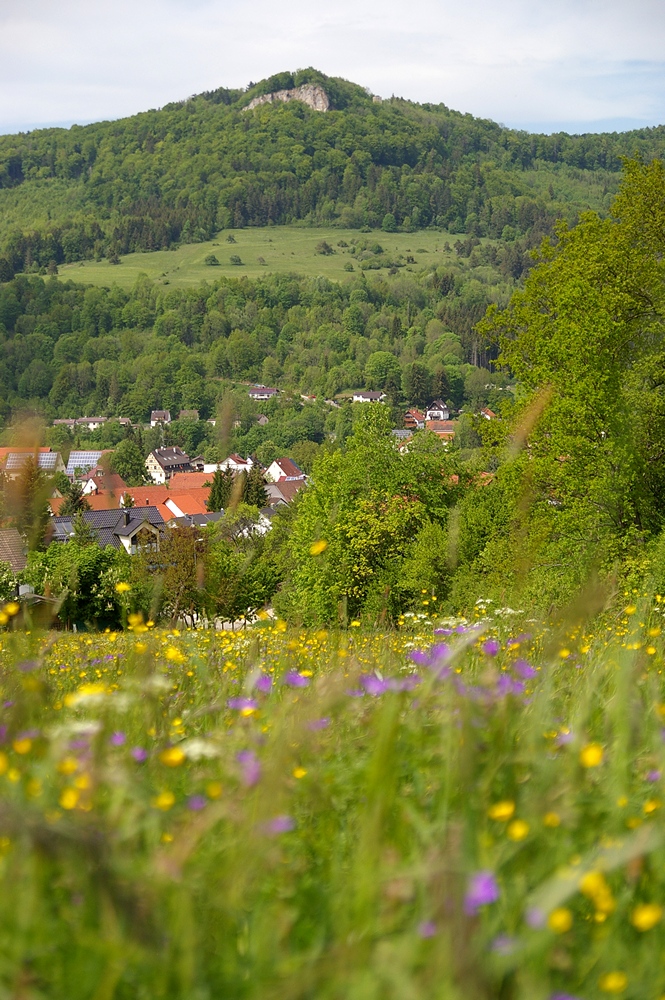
(83, 460)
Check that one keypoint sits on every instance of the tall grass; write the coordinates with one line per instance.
(333, 816)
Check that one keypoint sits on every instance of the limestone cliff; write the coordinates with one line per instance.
(310, 93)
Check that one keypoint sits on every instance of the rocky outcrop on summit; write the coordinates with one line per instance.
(310, 93)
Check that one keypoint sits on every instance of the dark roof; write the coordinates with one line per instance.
(46, 460)
(169, 458)
(189, 520)
(12, 549)
(109, 525)
(369, 395)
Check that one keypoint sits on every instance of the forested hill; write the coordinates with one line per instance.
(181, 173)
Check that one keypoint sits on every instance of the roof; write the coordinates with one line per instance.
(46, 460)
(170, 457)
(4, 451)
(91, 420)
(284, 491)
(12, 549)
(108, 481)
(368, 395)
(442, 427)
(189, 480)
(109, 525)
(160, 414)
(84, 460)
(262, 390)
(188, 521)
(438, 404)
(288, 468)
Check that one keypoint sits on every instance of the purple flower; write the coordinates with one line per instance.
(653, 776)
(250, 768)
(491, 647)
(433, 658)
(443, 631)
(407, 683)
(482, 891)
(373, 684)
(420, 657)
(524, 669)
(316, 724)
(27, 665)
(80, 744)
(139, 754)
(117, 739)
(7, 704)
(295, 680)
(506, 685)
(241, 703)
(356, 693)
(197, 802)
(263, 683)
(564, 738)
(3, 734)
(280, 824)
(427, 929)
(563, 996)
(503, 944)
(535, 918)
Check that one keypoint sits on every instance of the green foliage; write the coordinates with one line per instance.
(128, 463)
(75, 501)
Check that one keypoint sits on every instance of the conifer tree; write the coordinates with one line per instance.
(256, 494)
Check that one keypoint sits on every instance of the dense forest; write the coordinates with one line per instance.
(184, 172)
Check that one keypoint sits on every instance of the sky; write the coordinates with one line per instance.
(576, 65)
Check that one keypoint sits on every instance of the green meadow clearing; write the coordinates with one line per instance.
(282, 249)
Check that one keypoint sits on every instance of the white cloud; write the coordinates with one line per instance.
(518, 61)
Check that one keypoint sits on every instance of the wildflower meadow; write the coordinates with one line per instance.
(460, 808)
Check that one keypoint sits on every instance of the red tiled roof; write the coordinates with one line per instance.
(189, 480)
(288, 467)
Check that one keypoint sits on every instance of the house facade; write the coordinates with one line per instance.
(262, 392)
(158, 417)
(162, 463)
(284, 469)
(437, 411)
(368, 397)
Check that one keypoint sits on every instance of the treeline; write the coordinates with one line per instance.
(183, 173)
(67, 350)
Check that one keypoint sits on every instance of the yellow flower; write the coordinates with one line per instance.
(173, 653)
(22, 746)
(355, 623)
(12, 608)
(594, 886)
(316, 548)
(4, 762)
(653, 632)
(122, 587)
(630, 610)
(501, 811)
(646, 915)
(164, 801)
(551, 819)
(3, 618)
(651, 806)
(214, 789)
(564, 653)
(651, 650)
(299, 772)
(518, 830)
(172, 757)
(560, 920)
(69, 798)
(591, 755)
(613, 982)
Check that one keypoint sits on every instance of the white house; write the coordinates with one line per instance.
(235, 463)
(160, 417)
(262, 392)
(284, 470)
(368, 397)
(437, 411)
(92, 423)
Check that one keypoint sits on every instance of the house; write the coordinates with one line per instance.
(262, 392)
(92, 423)
(188, 415)
(197, 520)
(402, 434)
(80, 462)
(12, 549)
(162, 463)
(262, 420)
(198, 463)
(283, 492)
(235, 463)
(368, 397)
(48, 461)
(160, 417)
(101, 480)
(132, 530)
(437, 411)
(124, 421)
(445, 429)
(488, 414)
(414, 419)
(69, 423)
(284, 469)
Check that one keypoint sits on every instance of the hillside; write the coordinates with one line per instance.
(182, 173)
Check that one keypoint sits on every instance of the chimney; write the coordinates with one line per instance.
(125, 517)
